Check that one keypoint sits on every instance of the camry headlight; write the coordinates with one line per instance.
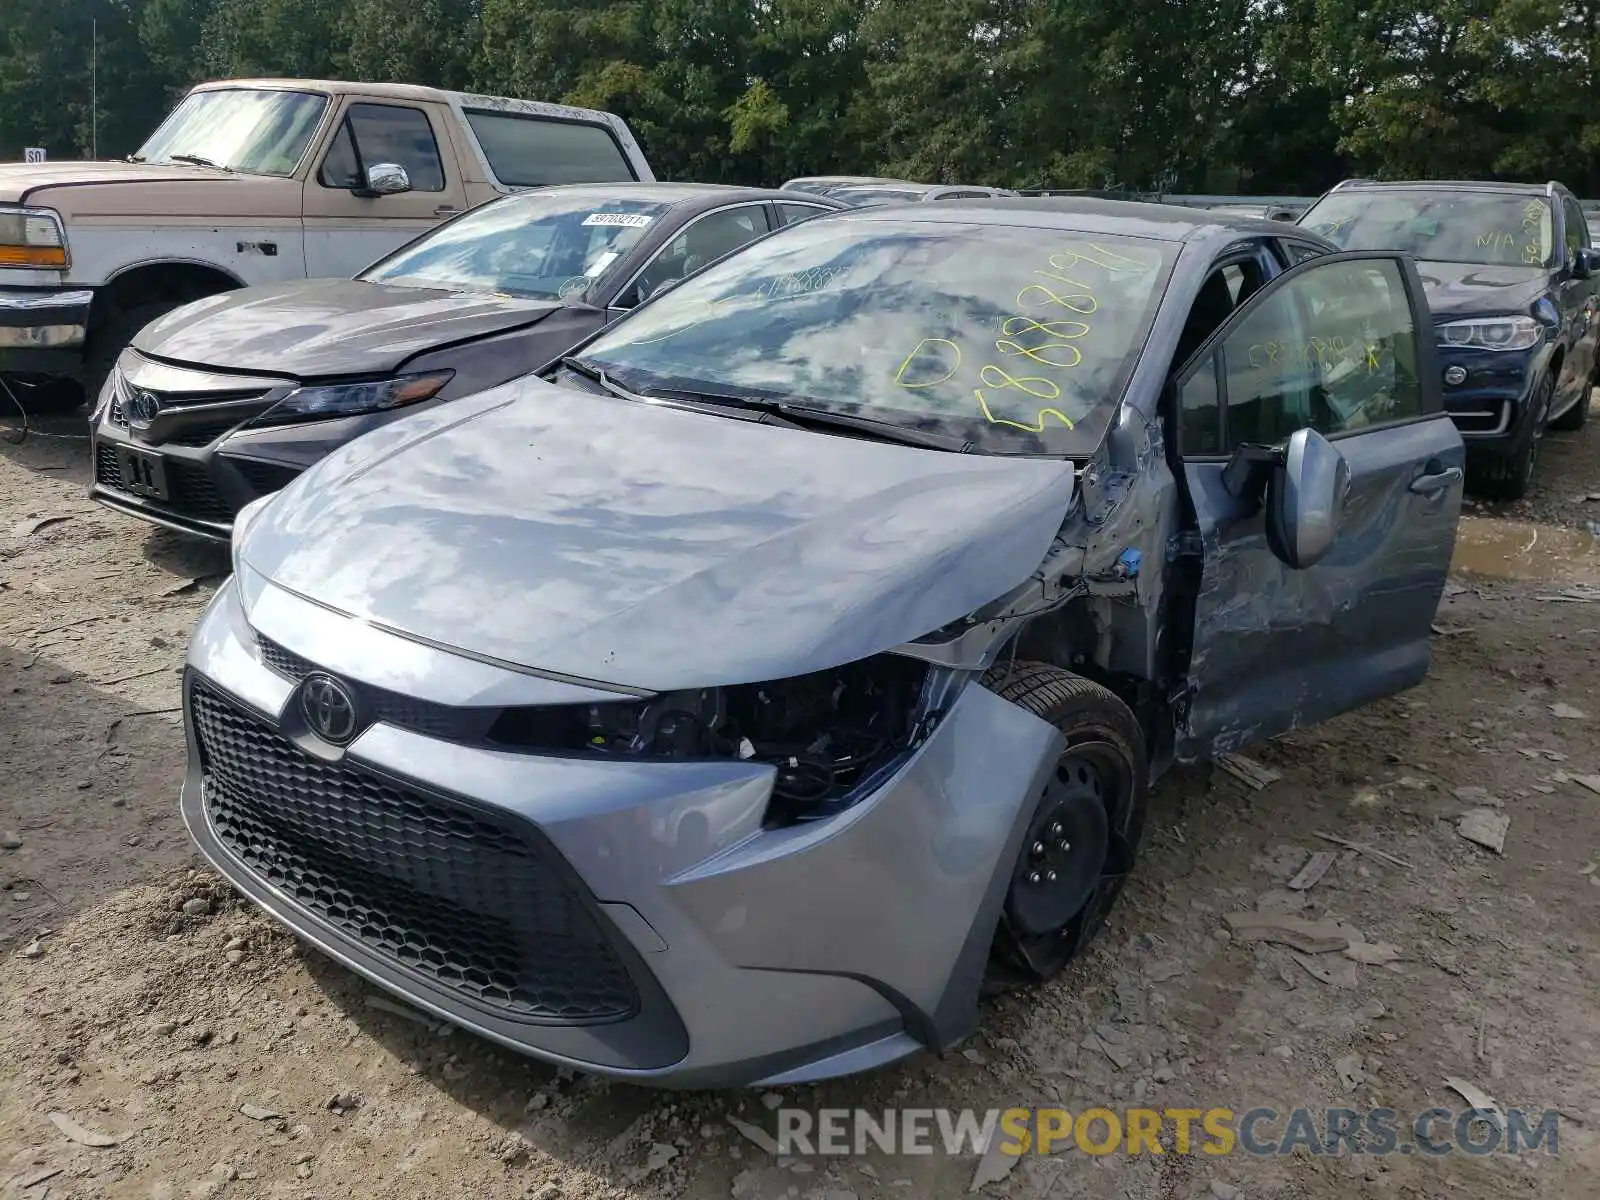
(349, 399)
(1492, 333)
(32, 237)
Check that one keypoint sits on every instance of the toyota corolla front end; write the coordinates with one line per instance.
(652, 734)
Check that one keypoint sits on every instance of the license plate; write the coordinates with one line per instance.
(143, 474)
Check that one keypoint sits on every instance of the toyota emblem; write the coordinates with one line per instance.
(329, 708)
(142, 407)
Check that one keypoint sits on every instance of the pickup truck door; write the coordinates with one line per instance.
(346, 231)
(1341, 343)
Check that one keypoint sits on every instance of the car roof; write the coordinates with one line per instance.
(840, 179)
(1084, 214)
(1448, 185)
(711, 194)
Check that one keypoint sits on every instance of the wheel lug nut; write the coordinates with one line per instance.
(1055, 829)
(1051, 876)
(1063, 844)
(1033, 877)
(1038, 849)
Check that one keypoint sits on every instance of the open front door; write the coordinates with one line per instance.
(1342, 344)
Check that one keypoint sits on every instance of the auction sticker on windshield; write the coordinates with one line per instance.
(630, 220)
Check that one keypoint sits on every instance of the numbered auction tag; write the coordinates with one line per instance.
(630, 220)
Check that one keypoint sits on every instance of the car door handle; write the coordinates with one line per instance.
(1427, 485)
(445, 210)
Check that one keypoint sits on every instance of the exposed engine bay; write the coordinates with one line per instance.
(824, 732)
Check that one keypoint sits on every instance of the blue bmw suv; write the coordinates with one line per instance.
(1514, 288)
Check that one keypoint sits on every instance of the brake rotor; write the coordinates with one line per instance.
(1065, 852)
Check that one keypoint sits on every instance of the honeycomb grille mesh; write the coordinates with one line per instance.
(468, 903)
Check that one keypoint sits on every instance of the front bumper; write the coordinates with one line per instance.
(42, 329)
(1490, 406)
(755, 956)
(199, 462)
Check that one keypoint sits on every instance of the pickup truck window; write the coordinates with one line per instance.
(255, 131)
(529, 151)
(383, 133)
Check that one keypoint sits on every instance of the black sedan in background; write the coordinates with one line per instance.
(229, 398)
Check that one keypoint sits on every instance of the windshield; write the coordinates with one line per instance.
(861, 197)
(1481, 228)
(542, 245)
(1017, 339)
(254, 131)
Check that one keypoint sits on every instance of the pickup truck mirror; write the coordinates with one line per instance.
(1306, 493)
(1586, 262)
(385, 179)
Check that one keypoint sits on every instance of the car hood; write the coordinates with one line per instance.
(329, 326)
(18, 179)
(650, 547)
(1467, 289)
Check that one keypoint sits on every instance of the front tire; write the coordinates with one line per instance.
(1084, 830)
(111, 336)
(1577, 416)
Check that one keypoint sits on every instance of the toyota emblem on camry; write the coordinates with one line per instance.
(329, 708)
(143, 407)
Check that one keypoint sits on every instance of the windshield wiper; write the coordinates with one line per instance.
(802, 414)
(197, 160)
(597, 375)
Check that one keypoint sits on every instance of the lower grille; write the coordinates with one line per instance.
(194, 494)
(107, 468)
(264, 477)
(465, 901)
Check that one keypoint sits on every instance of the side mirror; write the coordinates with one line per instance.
(1586, 262)
(386, 179)
(1306, 493)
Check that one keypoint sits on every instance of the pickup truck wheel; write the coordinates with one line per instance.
(110, 337)
(38, 395)
(1508, 476)
(1084, 828)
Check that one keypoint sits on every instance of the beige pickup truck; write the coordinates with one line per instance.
(255, 181)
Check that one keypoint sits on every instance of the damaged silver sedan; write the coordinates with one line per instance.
(737, 703)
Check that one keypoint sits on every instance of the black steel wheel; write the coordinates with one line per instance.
(1085, 827)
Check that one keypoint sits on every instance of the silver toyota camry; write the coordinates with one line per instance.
(733, 702)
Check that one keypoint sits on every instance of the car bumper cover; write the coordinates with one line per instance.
(628, 918)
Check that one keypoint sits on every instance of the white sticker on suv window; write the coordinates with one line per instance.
(600, 264)
(631, 220)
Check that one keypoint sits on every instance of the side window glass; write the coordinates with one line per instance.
(340, 168)
(1334, 350)
(793, 214)
(384, 133)
(1200, 411)
(702, 241)
(1577, 229)
(1298, 252)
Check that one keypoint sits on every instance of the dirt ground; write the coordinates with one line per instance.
(143, 1002)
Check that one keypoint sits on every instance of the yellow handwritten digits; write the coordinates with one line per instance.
(1073, 301)
(929, 345)
(1531, 255)
(1108, 260)
(1057, 335)
(1034, 385)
